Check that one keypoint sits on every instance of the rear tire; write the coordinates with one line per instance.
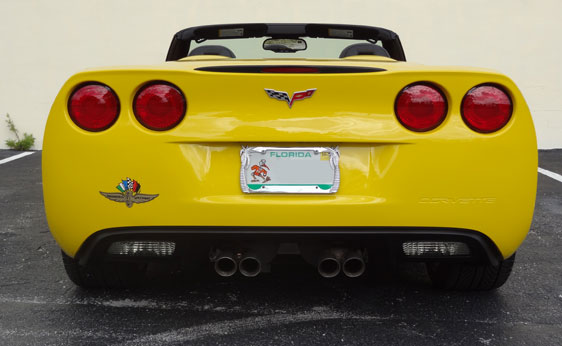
(470, 277)
(103, 275)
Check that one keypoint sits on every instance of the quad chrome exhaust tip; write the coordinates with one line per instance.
(329, 265)
(225, 263)
(354, 264)
(334, 261)
(250, 266)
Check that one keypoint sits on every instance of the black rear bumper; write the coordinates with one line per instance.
(192, 240)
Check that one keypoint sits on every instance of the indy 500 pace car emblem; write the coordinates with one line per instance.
(128, 193)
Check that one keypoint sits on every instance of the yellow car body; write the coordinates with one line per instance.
(450, 177)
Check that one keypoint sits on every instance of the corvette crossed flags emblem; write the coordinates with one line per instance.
(284, 96)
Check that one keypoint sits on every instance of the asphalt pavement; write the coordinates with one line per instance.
(290, 306)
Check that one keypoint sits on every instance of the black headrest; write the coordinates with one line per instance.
(213, 50)
(364, 49)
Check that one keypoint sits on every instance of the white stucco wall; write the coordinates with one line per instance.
(44, 42)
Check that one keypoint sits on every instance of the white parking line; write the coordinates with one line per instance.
(15, 157)
(550, 174)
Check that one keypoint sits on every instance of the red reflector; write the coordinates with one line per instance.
(486, 108)
(289, 70)
(420, 107)
(159, 106)
(93, 107)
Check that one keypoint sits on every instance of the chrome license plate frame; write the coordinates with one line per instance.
(291, 170)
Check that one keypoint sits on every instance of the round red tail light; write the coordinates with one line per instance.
(420, 107)
(486, 108)
(159, 106)
(93, 107)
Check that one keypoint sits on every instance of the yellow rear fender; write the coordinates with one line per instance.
(450, 176)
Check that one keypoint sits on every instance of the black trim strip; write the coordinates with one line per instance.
(305, 68)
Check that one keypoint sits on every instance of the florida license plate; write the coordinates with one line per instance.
(289, 170)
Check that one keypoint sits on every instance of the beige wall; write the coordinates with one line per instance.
(44, 42)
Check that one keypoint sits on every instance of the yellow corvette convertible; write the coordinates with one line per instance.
(314, 140)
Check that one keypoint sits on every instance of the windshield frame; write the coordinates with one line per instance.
(181, 42)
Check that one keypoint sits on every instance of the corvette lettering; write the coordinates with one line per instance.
(284, 96)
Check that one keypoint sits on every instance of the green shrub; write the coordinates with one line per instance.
(18, 144)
